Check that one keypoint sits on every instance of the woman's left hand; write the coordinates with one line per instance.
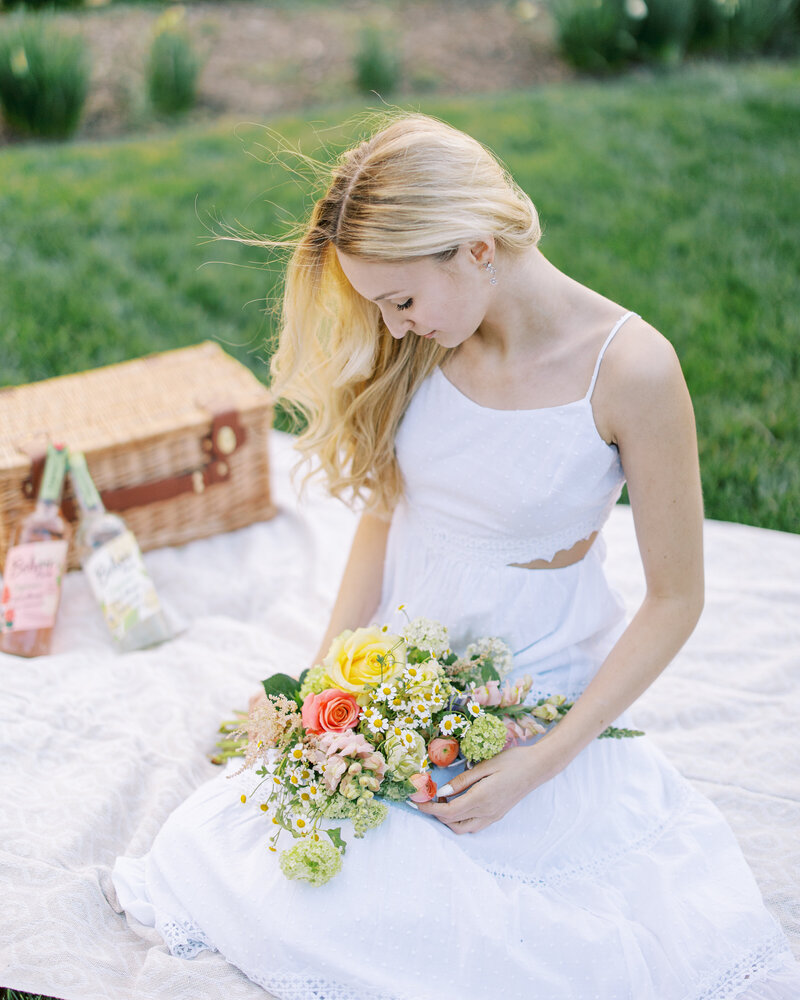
(485, 793)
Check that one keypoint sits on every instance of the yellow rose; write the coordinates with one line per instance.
(366, 656)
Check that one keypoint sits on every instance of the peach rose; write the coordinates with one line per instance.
(331, 711)
(425, 788)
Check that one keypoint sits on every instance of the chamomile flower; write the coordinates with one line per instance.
(408, 738)
(308, 794)
(378, 724)
(296, 753)
(368, 712)
(301, 823)
(385, 691)
(395, 730)
(437, 701)
(474, 709)
(277, 780)
(294, 779)
(408, 720)
(397, 703)
(451, 724)
(412, 673)
(421, 710)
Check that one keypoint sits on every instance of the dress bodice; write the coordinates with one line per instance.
(505, 486)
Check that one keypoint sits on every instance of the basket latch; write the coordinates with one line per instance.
(226, 436)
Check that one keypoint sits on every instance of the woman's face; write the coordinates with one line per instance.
(423, 297)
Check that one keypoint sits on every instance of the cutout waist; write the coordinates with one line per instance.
(566, 557)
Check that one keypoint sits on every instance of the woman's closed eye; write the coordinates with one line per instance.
(405, 305)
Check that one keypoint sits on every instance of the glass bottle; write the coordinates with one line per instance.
(35, 565)
(113, 564)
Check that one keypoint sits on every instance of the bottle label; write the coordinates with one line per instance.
(119, 580)
(32, 585)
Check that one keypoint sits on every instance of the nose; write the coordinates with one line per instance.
(400, 327)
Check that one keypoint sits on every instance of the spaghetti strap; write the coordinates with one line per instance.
(609, 338)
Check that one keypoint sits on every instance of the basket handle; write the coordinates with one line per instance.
(226, 436)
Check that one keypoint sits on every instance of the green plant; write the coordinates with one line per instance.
(44, 78)
(172, 70)
(377, 65)
(594, 35)
(751, 27)
(664, 29)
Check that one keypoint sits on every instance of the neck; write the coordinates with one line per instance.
(531, 299)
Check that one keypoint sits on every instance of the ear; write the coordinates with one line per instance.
(482, 252)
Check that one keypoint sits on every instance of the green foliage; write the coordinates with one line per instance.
(44, 78)
(376, 63)
(172, 69)
(751, 27)
(605, 35)
(664, 29)
(594, 35)
(283, 684)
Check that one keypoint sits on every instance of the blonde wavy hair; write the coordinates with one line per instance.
(417, 187)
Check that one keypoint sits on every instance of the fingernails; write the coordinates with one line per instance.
(445, 790)
(412, 804)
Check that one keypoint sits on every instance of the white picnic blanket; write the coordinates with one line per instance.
(97, 748)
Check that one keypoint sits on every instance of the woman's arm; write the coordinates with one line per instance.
(642, 404)
(360, 589)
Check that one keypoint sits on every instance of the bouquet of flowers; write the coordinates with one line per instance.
(364, 726)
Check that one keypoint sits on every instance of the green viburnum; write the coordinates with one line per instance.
(316, 680)
(485, 738)
(314, 861)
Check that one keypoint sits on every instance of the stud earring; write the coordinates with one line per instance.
(492, 272)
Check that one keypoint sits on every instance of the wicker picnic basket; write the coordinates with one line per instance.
(175, 442)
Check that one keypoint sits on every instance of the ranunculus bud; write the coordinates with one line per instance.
(425, 788)
(442, 750)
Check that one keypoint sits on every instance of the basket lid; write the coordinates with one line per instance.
(106, 407)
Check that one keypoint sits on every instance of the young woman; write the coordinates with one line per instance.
(487, 408)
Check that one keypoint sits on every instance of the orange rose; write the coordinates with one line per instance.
(425, 788)
(442, 751)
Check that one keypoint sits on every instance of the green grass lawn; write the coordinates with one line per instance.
(676, 195)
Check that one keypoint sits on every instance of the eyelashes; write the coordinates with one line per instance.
(405, 305)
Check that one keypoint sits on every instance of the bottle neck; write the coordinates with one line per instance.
(83, 486)
(52, 484)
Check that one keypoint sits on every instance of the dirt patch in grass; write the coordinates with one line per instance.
(259, 59)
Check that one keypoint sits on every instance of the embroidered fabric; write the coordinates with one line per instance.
(303, 987)
(752, 968)
(183, 938)
(494, 549)
(602, 863)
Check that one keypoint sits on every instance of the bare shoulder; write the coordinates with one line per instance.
(640, 379)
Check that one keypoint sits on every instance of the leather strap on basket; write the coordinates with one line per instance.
(227, 435)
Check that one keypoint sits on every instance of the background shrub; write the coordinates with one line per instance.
(172, 69)
(594, 35)
(44, 78)
(377, 65)
(664, 29)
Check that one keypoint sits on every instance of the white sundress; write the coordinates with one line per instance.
(616, 880)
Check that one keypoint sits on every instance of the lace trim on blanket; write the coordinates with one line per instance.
(754, 967)
(598, 866)
(184, 938)
(499, 550)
